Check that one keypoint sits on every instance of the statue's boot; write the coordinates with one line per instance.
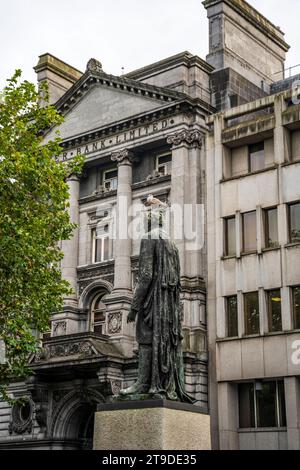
(143, 382)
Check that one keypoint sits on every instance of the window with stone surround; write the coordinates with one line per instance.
(262, 404)
(271, 227)
(97, 320)
(249, 232)
(251, 310)
(164, 164)
(256, 157)
(294, 223)
(100, 244)
(232, 316)
(274, 310)
(296, 307)
(110, 179)
(230, 237)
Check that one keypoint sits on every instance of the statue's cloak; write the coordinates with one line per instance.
(157, 301)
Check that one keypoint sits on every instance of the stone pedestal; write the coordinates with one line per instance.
(151, 425)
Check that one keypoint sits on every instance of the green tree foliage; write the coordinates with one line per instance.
(33, 219)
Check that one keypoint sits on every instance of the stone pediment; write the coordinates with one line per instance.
(98, 99)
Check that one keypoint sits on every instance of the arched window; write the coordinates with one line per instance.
(97, 316)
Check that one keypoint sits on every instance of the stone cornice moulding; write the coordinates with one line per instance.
(192, 137)
(94, 76)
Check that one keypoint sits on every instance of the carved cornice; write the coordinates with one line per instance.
(188, 137)
(123, 157)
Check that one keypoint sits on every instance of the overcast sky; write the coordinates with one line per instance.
(120, 33)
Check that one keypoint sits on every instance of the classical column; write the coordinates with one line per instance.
(66, 322)
(122, 280)
(185, 189)
(70, 247)
(119, 300)
(187, 192)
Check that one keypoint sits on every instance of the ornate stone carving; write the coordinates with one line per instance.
(70, 349)
(83, 348)
(59, 328)
(114, 323)
(115, 386)
(22, 418)
(191, 137)
(124, 156)
(94, 65)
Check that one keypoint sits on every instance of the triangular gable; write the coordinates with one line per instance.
(97, 100)
(101, 106)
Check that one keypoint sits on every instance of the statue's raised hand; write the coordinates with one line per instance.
(131, 316)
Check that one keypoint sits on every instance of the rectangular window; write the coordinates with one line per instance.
(251, 306)
(232, 316)
(249, 232)
(271, 228)
(294, 222)
(230, 240)
(274, 310)
(164, 164)
(256, 157)
(110, 179)
(296, 307)
(262, 404)
(100, 244)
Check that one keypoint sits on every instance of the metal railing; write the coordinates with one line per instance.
(289, 70)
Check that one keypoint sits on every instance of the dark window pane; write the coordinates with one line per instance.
(246, 405)
(98, 329)
(271, 228)
(262, 404)
(164, 158)
(111, 174)
(295, 223)
(281, 404)
(99, 316)
(266, 404)
(251, 313)
(257, 157)
(232, 316)
(274, 310)
(249, 232)
(98, 250)
(230, 248)
(105, 248)
(296, 307)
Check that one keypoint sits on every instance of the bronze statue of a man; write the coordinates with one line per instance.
(156, 306)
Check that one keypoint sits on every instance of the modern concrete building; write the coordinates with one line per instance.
(222, 133)
(253, 273)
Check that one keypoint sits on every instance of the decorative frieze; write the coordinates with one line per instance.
(188, 137)
(50, 351)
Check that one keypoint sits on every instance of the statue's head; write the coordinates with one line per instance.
(155, 213)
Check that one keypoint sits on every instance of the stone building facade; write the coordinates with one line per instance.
(186, 130)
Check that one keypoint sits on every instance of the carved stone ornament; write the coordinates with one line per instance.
(116, 386)
(94, 65)
(59, 328)
(114, 323)
(21, 418)
(124, 156)
(190, 137)
(83, 348)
